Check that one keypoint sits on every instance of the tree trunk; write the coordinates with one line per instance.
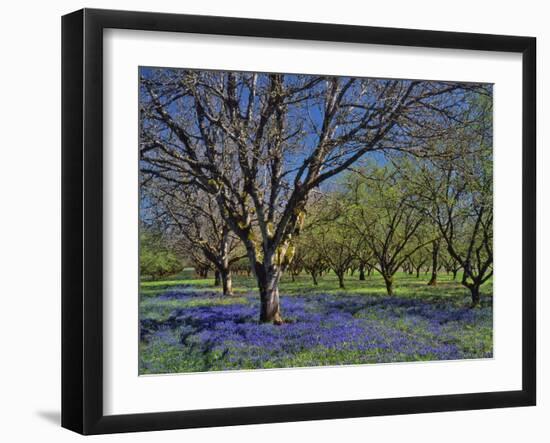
(455, 271)
(314, 277)
(435, 254)
(270, 311)
(202, 272)
(362, 272)
(474, 289)
(418, 272)
(217, 278)
(341, 280)
(223, 272)
(389, 284)
(227, 282)
(268, 276)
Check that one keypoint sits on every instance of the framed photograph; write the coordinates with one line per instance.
(269, 221)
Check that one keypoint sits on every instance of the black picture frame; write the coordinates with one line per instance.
(82, 215)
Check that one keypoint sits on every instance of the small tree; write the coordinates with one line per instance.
(457, 188)
(155, 260)
(419, 258)
(195, 228)
(337, 247)
(450, 264)
(384, 211)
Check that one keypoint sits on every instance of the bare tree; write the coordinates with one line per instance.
(458, 193)
(463, 212)
(384, 212)
(260, 143)
(197, 228)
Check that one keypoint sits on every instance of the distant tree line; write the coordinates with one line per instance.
(156, 259)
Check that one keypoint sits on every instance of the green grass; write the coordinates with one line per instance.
(405, 285)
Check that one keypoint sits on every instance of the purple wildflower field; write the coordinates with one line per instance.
(189, 331)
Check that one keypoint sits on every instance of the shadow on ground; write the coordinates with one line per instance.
(53, 417)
